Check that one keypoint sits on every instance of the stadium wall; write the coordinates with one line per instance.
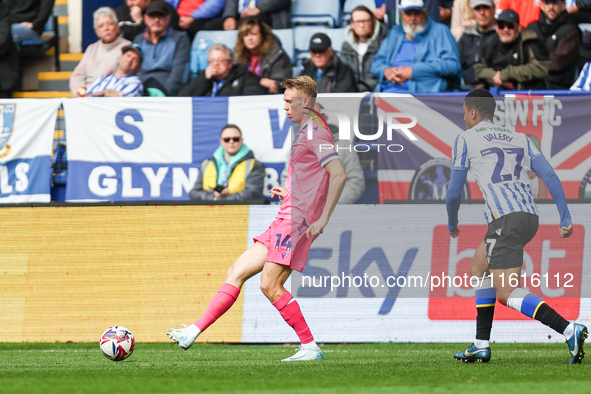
(68, 273)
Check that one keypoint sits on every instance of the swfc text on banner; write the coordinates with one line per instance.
(26, 138)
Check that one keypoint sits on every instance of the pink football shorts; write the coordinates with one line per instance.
(287, 244)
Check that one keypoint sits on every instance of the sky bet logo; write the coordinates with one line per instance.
(552, 269)
(391, 120)
(373, 262)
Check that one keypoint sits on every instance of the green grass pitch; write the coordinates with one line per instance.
(215, 368)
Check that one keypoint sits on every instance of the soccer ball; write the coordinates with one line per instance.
(117, 343)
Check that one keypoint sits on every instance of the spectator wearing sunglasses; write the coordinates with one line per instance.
(563, 42)
(515, 59)
(232, 174)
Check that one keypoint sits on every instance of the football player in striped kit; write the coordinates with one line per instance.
(500, 160)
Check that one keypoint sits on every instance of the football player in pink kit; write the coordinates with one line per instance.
(314, 183)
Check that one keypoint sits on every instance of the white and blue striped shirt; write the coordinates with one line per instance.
(500, 160)
(129, 86)
(583, 83)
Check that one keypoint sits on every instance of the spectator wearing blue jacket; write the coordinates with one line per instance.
(195, 15)
(166, 51)
(419, 55)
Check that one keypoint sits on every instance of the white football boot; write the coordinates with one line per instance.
(182, 337)
(303, 354)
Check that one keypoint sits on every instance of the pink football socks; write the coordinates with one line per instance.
(291, 313)
(219, 304)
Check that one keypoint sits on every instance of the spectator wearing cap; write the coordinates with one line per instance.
(515, 58)
(364, 37)
(562, 38)
(474, 40)
(195, 15)
(131, 18)
(326, 68)
(223, 78)
(123, 82)
(419, 55)
(101, 57)
(528, 10)
(438, 10)
(166, 51)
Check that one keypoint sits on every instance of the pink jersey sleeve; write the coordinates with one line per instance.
(322, 145)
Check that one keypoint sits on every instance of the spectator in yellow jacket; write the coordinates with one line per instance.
(232, 174)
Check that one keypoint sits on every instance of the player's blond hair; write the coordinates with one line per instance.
(303, 85)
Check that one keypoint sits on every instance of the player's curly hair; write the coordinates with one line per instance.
(302, 84)
(243, 54)
(482, 101)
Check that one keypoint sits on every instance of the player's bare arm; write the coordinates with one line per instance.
(337, 180)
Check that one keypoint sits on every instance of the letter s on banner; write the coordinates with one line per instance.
(138, 138)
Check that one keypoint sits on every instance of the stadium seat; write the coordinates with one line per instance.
(226, 37)
(286, 38)
(350, 6)
(315, 12)
(338, 38)
(36, 47)
(295, 71)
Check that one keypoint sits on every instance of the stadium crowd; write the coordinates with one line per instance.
(420, 46)
(390, 46)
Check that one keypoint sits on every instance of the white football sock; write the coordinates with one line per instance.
(310, 345)
(481, 343)
(569, 331)
(193, 330)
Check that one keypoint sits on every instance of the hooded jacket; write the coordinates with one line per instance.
(528, 64)
(361, 65)
(435, 61)
(562, 38)
(245, 181)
